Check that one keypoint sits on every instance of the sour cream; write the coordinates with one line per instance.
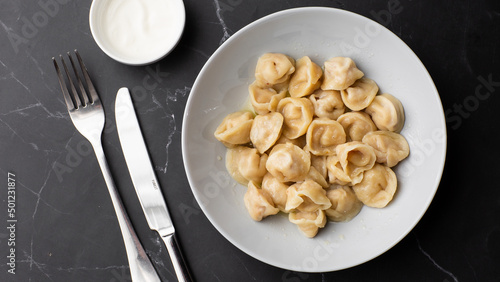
(137, 32)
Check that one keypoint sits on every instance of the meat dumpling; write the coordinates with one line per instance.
(245, 164)
(345, 204)
(265, 131)
(308, 222)
(297, 114)
(317, 177)
(305, 79)
(299, 142)
(258, 203)
(327, 103)
(265, 99)
(235, 129)
(355, 157)
(306, 196)
(288, 163)
(319, 163)
(340, 73)
(323, 135)
(356, 125)
(276, 190)
(387, 112)
(274, 68)
(336, 174)
(359, 95)
(377, 187)
(390, 147)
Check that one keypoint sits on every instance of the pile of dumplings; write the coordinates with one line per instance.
(320, 145)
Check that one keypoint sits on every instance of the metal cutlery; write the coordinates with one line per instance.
(87, 115)
(144, 179)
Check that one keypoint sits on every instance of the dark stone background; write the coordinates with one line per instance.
(66, 227)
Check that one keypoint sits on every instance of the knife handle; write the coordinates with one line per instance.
(178, 262)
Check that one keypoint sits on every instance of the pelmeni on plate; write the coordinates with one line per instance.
(305, 79)
(387, 112)
(314, 153)
(340, 73)
(258, 203)
(359, 95)
(298, 114)
(356, 125)
(377, 187)
(274, 68)
(327, 103)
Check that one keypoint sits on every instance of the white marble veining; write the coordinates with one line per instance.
(13, 76)
(169, 119)
(29, 260)
(433, 261)
(225, 29)
(38, 195)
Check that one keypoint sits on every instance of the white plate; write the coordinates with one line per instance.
(321, 33)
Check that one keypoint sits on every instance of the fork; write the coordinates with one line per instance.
(87, 114)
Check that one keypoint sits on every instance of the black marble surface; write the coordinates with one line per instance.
(66, 228)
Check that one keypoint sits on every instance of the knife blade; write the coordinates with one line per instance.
(144, 180)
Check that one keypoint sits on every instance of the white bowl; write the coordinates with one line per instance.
(134, 33)
(321, 33)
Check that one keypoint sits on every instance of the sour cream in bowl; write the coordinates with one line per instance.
(137, 32)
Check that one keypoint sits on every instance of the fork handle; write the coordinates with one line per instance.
(141, 268)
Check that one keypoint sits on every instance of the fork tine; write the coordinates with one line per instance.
(70, 102)
(90, 86)
(82, 94)
(75, 95)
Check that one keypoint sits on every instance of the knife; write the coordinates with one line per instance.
(144, 180)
